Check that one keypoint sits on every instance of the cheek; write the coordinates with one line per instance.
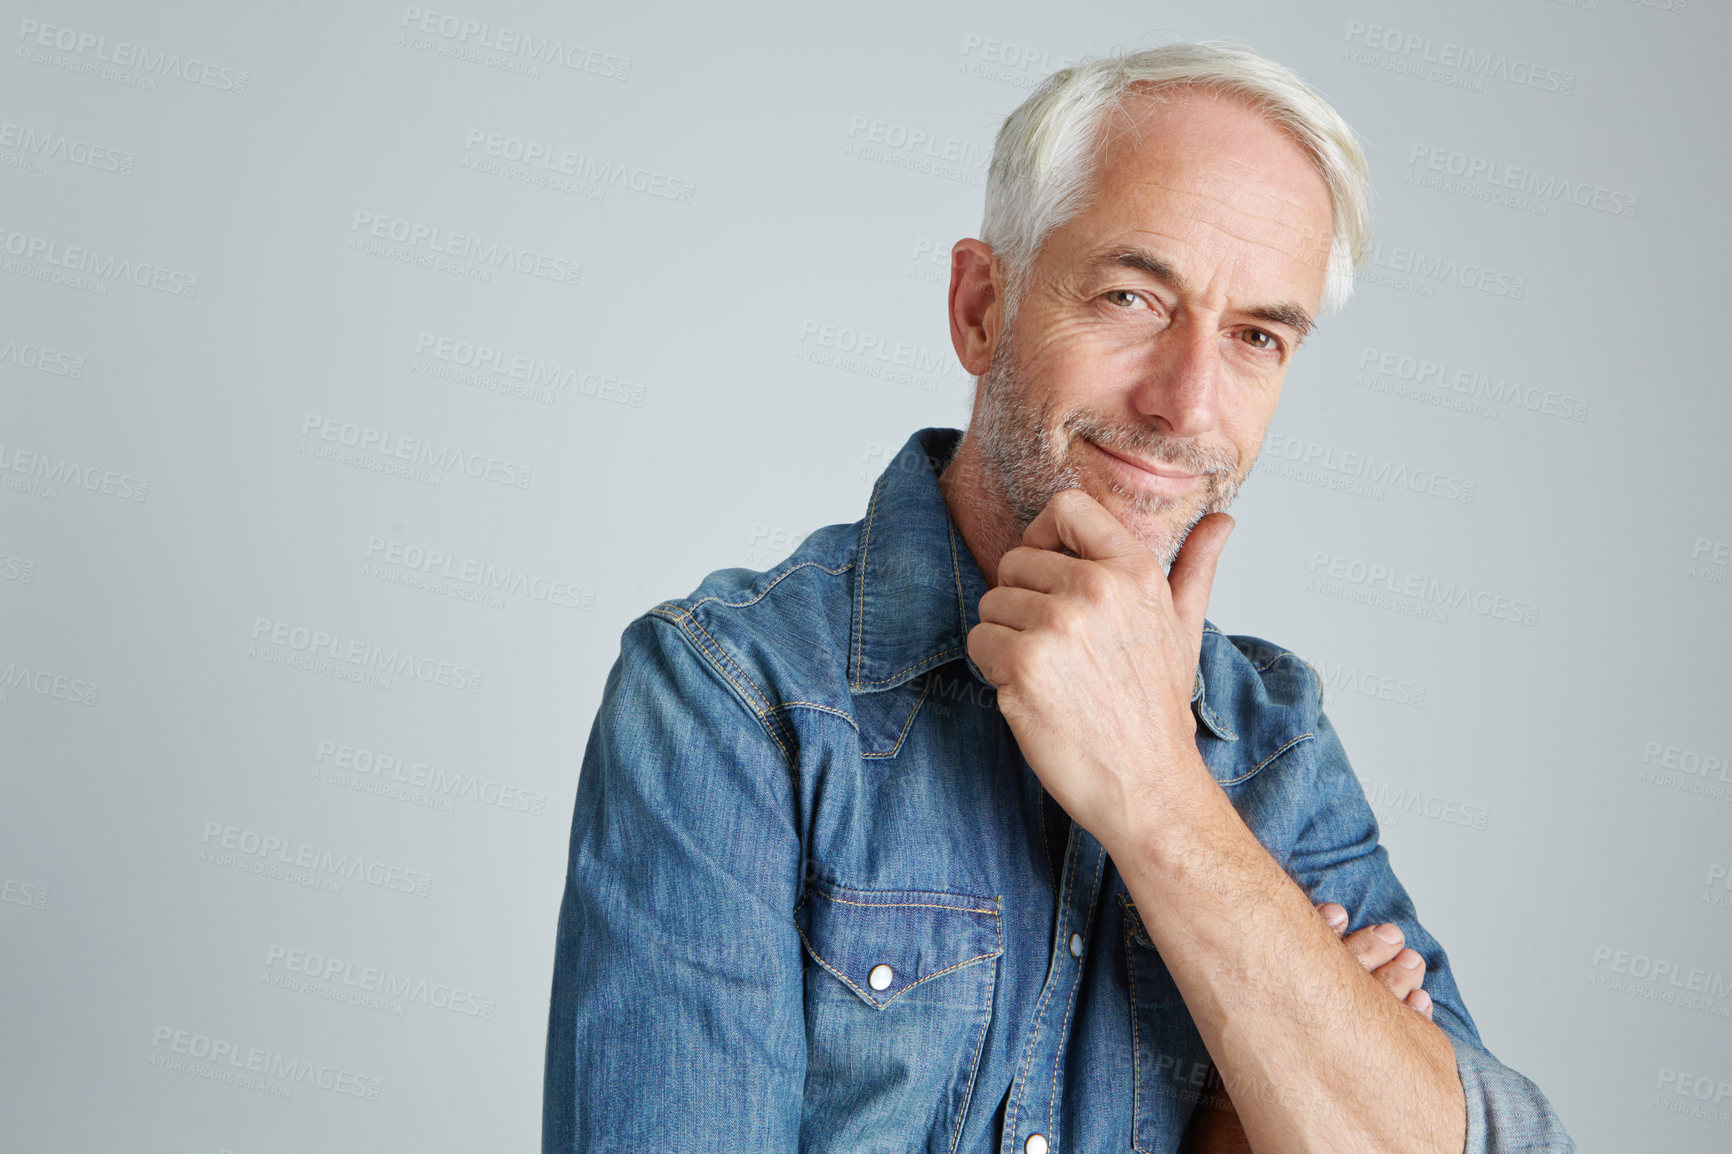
(1248, 438)
(1245, 418)
(1061, 367)
(1078, 361)
(1056, 335)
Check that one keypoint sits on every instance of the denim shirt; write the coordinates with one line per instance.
(816, 899)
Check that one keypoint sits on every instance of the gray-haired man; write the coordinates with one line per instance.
(962, 829)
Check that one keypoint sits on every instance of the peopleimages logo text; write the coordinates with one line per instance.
(355, 977)
(1547, 187)
(1473, 62)
(437, 241)
(103, 266)
(1329, 569)
(301, 855)
(224, 1059)
(365, 654)
(124, 54)
(516, 42)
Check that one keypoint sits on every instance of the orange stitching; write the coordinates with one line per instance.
(849, 982)
(916, 665)
(712, 648)
(1278, 753)
(906, 905)
(980, 1042)
(779, 577)
(925, 688)
(716, 660)
(819, 958)
(821, 708)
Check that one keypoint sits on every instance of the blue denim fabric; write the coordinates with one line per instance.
(810, 904)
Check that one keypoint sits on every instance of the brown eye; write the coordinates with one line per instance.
(1112, 293)
(1258, 339)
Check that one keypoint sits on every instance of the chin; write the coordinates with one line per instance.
(1161, 533)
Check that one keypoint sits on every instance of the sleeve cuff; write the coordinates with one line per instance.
(1505, 1111)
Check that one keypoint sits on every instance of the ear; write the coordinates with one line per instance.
(976, 303)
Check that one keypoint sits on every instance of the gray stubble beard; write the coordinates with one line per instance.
(1015, 443)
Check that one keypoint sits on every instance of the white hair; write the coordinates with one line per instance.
(1045, 160)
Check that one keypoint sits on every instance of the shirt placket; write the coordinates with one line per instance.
(1031, 1117)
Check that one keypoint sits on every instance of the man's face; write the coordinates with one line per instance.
(1157, 325)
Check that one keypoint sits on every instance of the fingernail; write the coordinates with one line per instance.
(1336, 917)
(1420, 1000)
(1389, 932)
(1410, 959)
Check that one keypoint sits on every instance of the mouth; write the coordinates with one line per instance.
(1161, 478)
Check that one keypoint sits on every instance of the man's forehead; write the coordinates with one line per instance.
(1213, 157)
(1181, 221)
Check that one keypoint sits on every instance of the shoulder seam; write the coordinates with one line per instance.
(751, 696)
(1282, 651)
(679, 607)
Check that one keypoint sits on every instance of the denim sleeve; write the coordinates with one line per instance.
(1338, 859)
(677, 1016)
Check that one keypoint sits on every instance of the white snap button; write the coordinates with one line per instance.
(1076, 945)
(881, 977)
(1036, 1144)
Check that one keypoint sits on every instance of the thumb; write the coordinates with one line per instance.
(1193, 571)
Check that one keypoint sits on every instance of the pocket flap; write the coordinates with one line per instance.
(883, 942)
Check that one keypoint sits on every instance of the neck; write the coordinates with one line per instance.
(978, 505)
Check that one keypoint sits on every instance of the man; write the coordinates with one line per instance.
(963, 829)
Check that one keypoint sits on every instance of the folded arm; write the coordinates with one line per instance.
(1338, 861)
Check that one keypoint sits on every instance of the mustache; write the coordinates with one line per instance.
(1186, 455)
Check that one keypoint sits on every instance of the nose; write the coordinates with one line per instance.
(1178, 382)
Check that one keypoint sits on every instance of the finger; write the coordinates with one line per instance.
(1333, 915)
(1373, 948)
(988, 644)
(1013, 606)
(1402, 974)
(1421, 1001)
(1076, 521)
(1039, 569)
(1193, 572)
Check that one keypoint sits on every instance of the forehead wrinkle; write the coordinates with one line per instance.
(1268, 193)
(1271, 246)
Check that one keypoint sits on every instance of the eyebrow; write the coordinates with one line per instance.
(1143, 261)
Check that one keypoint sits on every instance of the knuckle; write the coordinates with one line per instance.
(1095, 584)
(1068, 619)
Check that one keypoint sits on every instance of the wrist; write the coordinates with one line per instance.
(1162, 832)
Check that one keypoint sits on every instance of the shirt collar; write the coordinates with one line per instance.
(917, 587)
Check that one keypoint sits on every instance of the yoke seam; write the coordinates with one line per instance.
(721, 662)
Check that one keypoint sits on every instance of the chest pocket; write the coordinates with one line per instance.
(1172, 1070)
(899, 987)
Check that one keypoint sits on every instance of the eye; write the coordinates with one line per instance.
(1260, 340)
(1115, 295)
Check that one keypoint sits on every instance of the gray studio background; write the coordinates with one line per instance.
(362, 376)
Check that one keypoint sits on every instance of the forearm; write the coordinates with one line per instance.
(1215, 1128)
(1316, 1055)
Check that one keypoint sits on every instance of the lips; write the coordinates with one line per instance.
(1166, 471)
